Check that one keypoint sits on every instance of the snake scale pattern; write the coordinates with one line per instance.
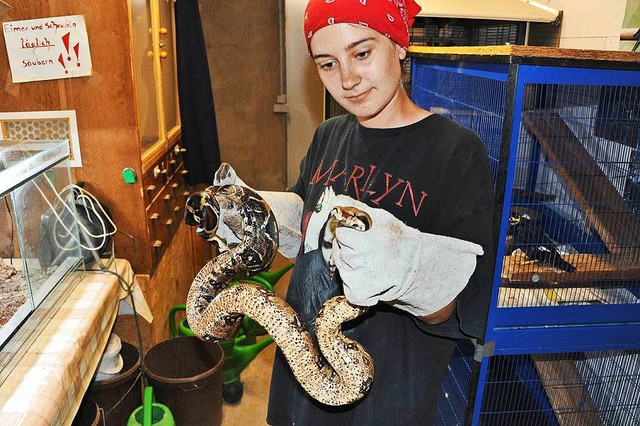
(341, 372)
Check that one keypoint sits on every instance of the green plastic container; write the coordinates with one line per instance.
(151, 413)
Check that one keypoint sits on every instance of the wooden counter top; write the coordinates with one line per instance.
(48, 382)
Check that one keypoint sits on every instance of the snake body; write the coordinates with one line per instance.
(341, 372)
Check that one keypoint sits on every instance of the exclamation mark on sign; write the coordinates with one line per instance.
(76, 50)
(61, 60)
(65, 40)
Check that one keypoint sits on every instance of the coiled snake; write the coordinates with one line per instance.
(343, 372)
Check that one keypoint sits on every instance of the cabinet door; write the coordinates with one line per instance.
(156, 83)
(168, 70)
(148, 119)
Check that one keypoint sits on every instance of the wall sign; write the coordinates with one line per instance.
(47, 48)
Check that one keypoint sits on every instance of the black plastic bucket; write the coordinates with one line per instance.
(119, 396)
(88, 414)
(186, 375)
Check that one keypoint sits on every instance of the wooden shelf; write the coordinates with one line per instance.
(531, 55)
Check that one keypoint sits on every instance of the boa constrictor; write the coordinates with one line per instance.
(343, 372)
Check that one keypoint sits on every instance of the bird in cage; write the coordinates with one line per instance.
(528, 235)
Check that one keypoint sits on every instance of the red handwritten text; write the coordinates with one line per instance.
(35, 43)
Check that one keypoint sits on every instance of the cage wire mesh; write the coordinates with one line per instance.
(577, 389)
(575, 192)
(575, 234)
(465, 32)
(472, 101)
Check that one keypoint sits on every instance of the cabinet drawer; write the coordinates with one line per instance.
(154, 180)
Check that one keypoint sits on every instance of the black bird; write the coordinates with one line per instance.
(527, 235)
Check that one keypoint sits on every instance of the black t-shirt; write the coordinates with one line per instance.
(433, 175)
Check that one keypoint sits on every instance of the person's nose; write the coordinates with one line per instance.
(350, 77)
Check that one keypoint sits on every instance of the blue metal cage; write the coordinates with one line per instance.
(563, 331)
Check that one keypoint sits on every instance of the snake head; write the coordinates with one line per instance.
(202, 210)
(350, 217)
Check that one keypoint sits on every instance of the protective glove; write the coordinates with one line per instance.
(286, 207)
(391, 262)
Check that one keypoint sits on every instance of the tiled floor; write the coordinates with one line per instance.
(252, 409)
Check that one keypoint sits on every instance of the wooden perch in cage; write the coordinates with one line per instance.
(566, 391)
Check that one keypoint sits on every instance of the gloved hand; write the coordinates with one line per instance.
(286, 207)
(391, 262)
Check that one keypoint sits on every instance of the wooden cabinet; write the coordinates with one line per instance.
(153, 34)
(127, 116)
(127, 113)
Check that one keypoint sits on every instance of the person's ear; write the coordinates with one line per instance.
(402, 53)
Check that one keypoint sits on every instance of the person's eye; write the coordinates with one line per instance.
(364, 54)
(327, 65)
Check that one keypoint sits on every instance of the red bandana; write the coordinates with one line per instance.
(391, 18)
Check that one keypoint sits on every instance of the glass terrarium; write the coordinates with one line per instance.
(39, 244)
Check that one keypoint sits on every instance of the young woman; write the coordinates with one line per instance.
(422, 179)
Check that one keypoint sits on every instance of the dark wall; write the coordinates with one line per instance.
(243, 42)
